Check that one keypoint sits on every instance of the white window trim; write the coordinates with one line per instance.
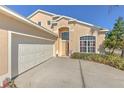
(87, 44)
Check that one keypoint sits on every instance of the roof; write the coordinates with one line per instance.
(11, 13)
(69, 18)
(41, 11)
(82, 22)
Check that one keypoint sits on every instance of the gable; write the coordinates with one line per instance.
(63, 22)
(40, 11)
(38, 16)
(43, 18)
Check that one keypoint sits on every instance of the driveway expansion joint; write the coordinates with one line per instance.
(82, 76)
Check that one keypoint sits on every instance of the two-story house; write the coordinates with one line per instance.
(27, 42)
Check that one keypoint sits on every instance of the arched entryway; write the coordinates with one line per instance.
(63, 41)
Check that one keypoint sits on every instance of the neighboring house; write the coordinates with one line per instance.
(27, 42)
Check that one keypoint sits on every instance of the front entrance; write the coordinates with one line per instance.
(65, 48)
(64, 41)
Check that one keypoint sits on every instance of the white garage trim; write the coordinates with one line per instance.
(9, 52)
(30, 36)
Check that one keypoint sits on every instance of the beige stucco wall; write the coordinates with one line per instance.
(44, 18)
(3, 52)
(100, 41)
(83, 30)
(61, 23)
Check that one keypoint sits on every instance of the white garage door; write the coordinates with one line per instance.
(28, 52)
(31, 55)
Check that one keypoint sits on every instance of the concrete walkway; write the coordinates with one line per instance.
(70, 73)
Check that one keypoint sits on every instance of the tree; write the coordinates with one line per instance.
(122, 43)
(122, 37)
(109, 41)
(115, 39)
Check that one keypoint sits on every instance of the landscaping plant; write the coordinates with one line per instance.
(109, 59)
(8, 83)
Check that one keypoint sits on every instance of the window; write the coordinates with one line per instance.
(87, 44)
(54, 24)
(39, 23)
(65, 35)
(49, 22)
(55, 17)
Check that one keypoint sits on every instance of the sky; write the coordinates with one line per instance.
(100, 15)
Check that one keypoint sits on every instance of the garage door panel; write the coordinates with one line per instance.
(31, 55)
(28, 52)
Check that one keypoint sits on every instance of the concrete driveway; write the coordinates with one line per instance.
(70, 73)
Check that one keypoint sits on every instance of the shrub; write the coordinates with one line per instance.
(112, 60)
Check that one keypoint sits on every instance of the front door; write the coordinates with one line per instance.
(65, 48)
(65, 43)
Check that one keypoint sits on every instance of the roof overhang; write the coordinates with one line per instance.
(82, 22)
(104, 30)
(10, 13)
(41, 11)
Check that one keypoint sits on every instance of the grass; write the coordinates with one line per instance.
(112, 60)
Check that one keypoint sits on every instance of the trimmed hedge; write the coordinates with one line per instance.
(112, 60)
